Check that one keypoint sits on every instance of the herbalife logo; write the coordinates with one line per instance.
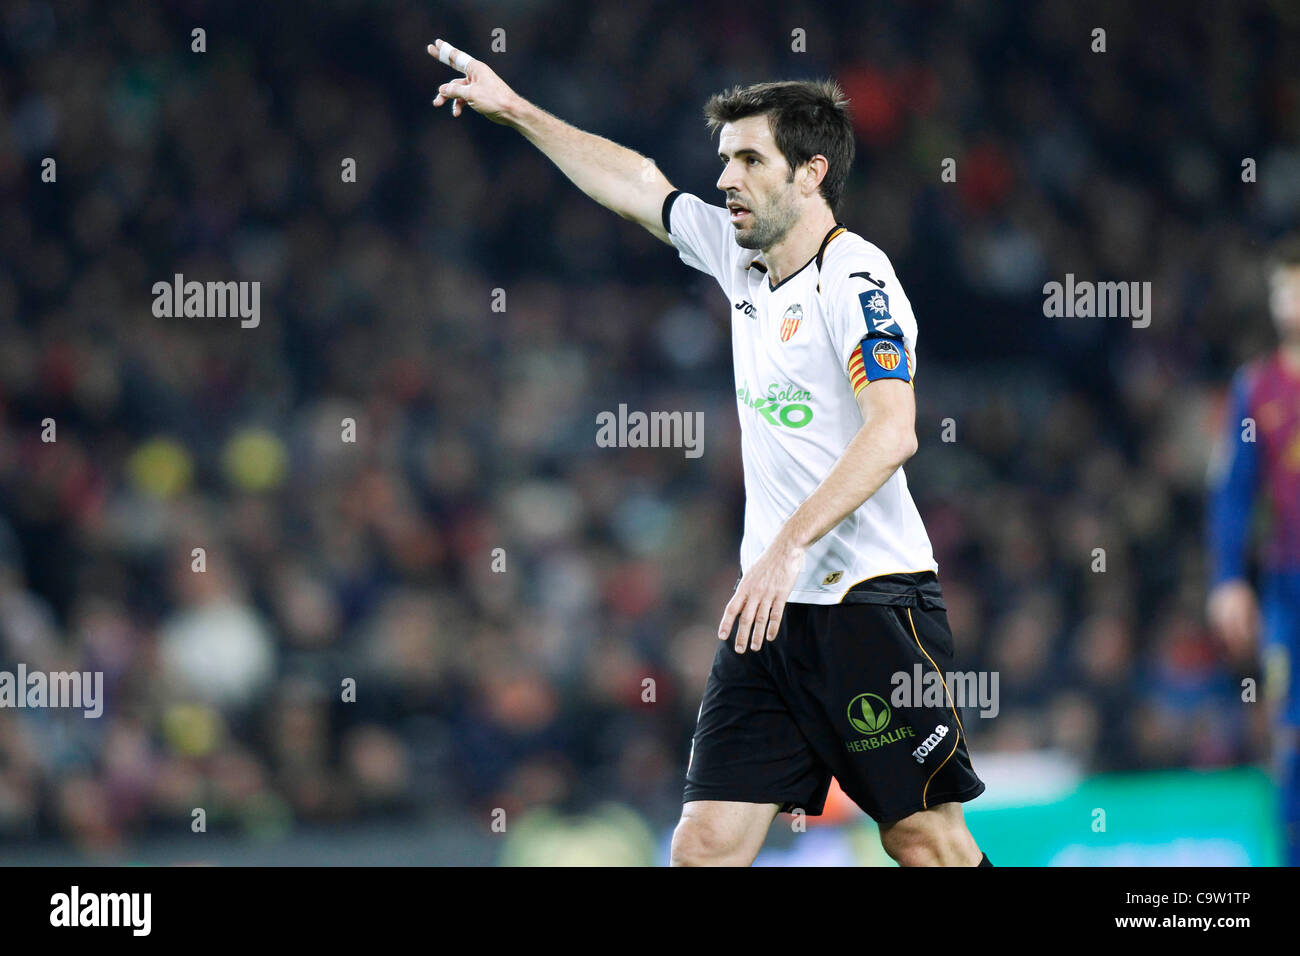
(870, 715)
(866, 717)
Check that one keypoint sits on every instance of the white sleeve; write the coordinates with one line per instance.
(871, 320)
(702, 233)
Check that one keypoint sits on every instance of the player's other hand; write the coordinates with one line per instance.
(1234, 615)
(760, 597)
(480, 88)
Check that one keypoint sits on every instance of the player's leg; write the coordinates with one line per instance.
(934, 837)
(721, 832)
(1280, 613)
(898, 751)
(748, 756)
(1287, 747)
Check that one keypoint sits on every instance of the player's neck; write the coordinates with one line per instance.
(799, 246)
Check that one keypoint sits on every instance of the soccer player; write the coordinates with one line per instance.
(838, 591)
(1260, 459)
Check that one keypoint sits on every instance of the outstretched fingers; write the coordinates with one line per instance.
(448, 54)
(456, 89)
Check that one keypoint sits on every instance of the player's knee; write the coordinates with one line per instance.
(911, 846)
(700, 842)
(930, 839)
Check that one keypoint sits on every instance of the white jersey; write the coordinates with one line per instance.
(802, 351)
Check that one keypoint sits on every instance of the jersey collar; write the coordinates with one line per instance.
(757, 263)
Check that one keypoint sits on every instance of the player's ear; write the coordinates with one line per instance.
(814, 172)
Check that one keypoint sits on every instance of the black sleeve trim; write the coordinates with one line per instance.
(838, 228)
(668, 206)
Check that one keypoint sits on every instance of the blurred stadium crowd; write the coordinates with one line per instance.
(327, 560)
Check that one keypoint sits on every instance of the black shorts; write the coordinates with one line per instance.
(820, 701)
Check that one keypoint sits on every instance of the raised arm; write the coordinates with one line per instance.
(618, 178)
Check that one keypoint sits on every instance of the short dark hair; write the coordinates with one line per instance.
(807, 117)
(1285, 255)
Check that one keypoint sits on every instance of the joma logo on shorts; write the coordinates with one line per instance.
(929, 743)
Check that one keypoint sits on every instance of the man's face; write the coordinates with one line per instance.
(1284, 300)
(758, 182)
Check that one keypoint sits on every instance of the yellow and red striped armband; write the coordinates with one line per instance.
(877, 358)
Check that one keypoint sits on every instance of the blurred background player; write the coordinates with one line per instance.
(1261, 460)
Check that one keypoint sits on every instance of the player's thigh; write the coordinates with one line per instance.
(721, 831)
(896, 747)
(749, 746)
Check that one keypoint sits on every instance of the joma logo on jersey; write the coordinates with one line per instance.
(783, 407)
(790, 322)
(744, 305)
